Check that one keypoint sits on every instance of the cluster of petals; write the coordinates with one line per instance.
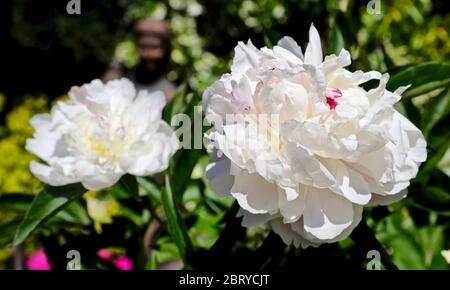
(335, 147)
(101, 133)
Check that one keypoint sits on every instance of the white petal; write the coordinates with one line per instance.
(49, 175)
(287, 234)
(290, 45)
(44, 142)
(351, 184)
(120, 93)
(408, 148)
(152, 155)
(246, 56)
(305, 166)
(333, 62)
(378, 199)
(292, 210)
(370, 75)
(100, 181)
(250, 219)
(218, 173)
(327, 214)
(285, 54)
(314, 241)
(254, 193)
(144, 114)
(313, 54)
(317, 138)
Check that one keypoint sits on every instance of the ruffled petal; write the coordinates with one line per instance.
(254, 193)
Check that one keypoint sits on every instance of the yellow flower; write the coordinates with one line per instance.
(102, 207)
(15, 175)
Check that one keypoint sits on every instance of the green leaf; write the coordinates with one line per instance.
(16, 202)
(431, 163)
(151, 188)
(419, 75)
(431, 238)
(426, 88)
(230, 241)
(186, 159)
(431, 198)
(176, 226)
(132, 215)
(45, 205)
(337, 41)
(183, 170)
(7, 232)
(75, 213)
(19, 203)
(407, 253)
(439, 110)
(130, 184)
(175, 104)
(412, 112)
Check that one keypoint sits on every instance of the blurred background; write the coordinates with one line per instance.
(182, 49)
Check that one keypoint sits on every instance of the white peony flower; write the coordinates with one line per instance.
(103, 132)
(333, 148)
(446, 255)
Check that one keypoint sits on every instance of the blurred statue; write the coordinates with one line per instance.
(153, 41)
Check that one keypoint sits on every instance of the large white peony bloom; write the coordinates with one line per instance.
(103, 132)
(333, 149)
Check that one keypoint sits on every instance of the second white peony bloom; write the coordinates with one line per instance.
(333, 149)
(101, 133)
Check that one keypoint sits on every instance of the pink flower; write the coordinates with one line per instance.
(105, 254)
(38, 261)
(123, 263)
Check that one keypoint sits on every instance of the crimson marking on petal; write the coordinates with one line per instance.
(338, 92)
(332, 103)
(331, 95)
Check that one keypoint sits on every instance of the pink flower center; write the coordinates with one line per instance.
(331, 95)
